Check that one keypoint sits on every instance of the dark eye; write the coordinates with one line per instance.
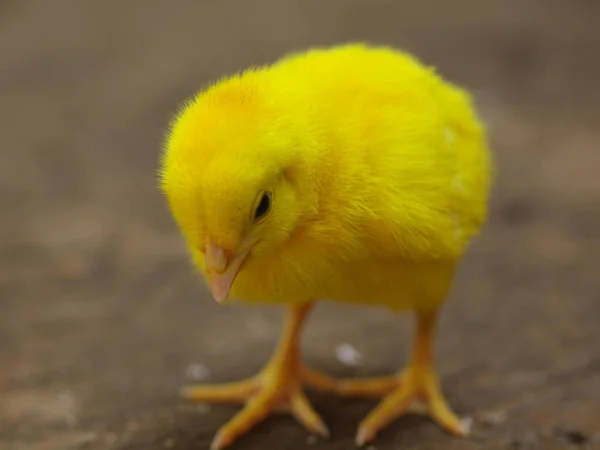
(263, 206)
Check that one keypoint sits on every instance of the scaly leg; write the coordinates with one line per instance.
(279, 384)
(417, 382)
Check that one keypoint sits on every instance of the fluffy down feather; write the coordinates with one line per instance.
(379, 173)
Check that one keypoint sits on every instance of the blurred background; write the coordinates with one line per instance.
(102, 318)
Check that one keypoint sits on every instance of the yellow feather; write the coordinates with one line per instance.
(380, 173)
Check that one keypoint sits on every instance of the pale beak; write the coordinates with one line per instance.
(222, 271)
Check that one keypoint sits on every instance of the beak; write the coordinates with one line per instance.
(222, 270)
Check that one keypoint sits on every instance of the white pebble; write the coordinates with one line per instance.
(197, 372)
(493, 418)
(348, 355)
(467, 424)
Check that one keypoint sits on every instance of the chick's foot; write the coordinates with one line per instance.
(278, 386)
(418, 382)
(415, 384)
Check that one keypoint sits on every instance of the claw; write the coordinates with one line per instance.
(306, 415)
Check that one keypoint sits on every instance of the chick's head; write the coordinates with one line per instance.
(234, 179)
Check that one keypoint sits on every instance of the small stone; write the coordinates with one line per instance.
(197, 372)
(348, 355)
(493, 418)
(169, 443)
(467, 424)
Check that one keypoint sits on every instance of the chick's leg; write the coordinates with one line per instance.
(278, 385)
(418, 381)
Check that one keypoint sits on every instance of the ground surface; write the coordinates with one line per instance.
(101, 318)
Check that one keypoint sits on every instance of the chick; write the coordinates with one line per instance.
(352, 173)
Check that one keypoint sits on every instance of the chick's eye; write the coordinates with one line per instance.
(263, 206)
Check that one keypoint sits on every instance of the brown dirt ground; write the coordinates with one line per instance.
(101, 316)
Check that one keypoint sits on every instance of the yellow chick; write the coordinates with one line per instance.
(351, 173)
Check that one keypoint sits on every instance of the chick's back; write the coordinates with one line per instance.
(405, 169)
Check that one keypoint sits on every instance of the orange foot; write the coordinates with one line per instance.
(399, 392)
(278, 386)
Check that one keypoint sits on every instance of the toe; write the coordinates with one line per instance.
(443, 415)
(441, 412)
(224, 393)
(255, 411)
(389, 409)
(306, 415)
